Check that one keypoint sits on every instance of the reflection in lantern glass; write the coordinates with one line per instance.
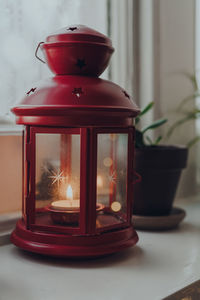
(107, 162)
(116, 206)
(112, 150)
(99, 181)
(57, 179)
(113, 136)
(69, 193)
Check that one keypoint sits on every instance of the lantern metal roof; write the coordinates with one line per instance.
(76, 96)
(63, 99)
(79, 33)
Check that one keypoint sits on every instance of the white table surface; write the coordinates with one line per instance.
(159, 265)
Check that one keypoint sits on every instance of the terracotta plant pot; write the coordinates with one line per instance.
(160, 168)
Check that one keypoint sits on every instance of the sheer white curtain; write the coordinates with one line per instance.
(163, 32)
(197, 65)
(122, 35)
(25, 23)
(131, 30)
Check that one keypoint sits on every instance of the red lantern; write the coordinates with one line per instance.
(78, 153)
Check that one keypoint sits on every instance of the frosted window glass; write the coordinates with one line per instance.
(23, 25)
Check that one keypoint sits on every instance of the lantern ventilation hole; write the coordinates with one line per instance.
(77, 92)
(80, 63)
(72, 28)
(126, 94)
(31, 91)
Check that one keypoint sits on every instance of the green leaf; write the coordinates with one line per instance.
(146, 109)
(194, 113)
(137, 119)
(193, 141)
(180, 122)
(188, 98)
(139, 142)
(155, 124)
(157, 141)
(140, 133)
(193, 79)
(149, 140)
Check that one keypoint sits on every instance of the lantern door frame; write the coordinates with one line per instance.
(30, 180)
(88, 178)
(130, 173)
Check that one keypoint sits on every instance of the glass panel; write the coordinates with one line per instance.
(58, 179)
(112, 153)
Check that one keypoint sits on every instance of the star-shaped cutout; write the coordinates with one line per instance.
(77, 92)
(31, 91)
(80, 63)
(112, 177)
(72, 28)
(57, 177)
(126, 94)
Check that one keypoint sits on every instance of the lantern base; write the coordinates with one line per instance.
(73, 246)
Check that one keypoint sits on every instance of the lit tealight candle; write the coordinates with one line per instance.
(67, 211)
(65, 205)
(68, 204)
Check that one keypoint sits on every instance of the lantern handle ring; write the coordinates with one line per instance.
(137, 178)
(36, 51)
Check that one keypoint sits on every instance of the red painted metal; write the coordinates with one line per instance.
(130, 173)
(23, 176)
(112, 190)
(53, 103)
(82, 51)
(75, 104)
(65, 154)
(129, 199)
(31, 201)
(73, 246)
(84, 180)
(92, 182)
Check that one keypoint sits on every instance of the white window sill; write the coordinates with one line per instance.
(7, 224)
(8, 126)
(11, 129)
(161, 264)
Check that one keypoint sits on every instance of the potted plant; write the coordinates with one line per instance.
(160, 167)
(187, 113)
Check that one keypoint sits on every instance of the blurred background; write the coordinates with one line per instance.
(156, 58)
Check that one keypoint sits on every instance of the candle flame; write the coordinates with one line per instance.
(69, 193)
